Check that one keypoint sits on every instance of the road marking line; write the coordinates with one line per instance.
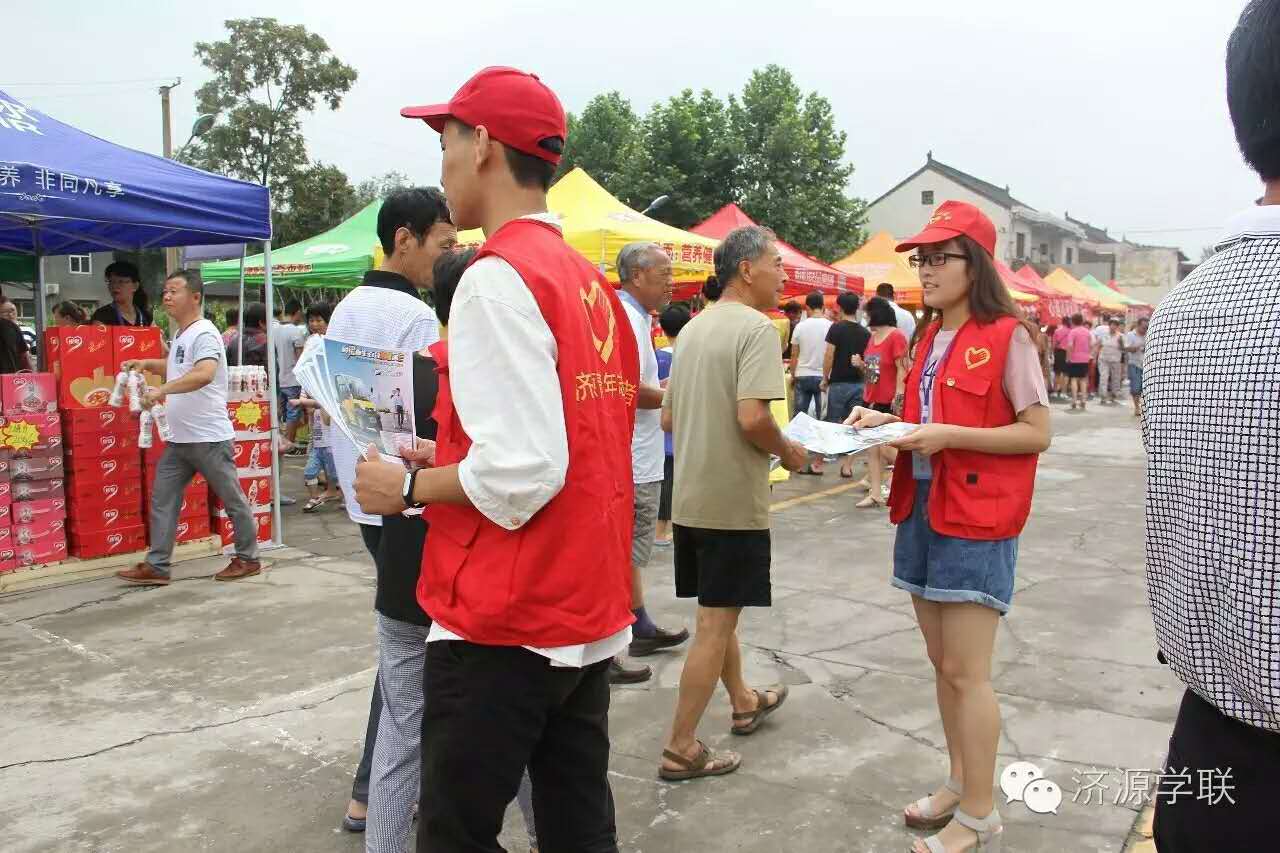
(804, 499)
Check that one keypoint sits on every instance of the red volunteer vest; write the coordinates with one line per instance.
(564, 577)
(973, 495)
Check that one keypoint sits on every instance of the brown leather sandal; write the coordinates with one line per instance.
(702, 764)
(762, 710)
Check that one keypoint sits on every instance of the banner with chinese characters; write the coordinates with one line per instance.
(80, 193)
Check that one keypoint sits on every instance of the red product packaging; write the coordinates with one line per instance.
(195, 506)
(108, 518)
(38, 468)
(81, 360)
(103, 444)
(49, 550)
(253, 456)
(38, 532)
(28, 393)
(192, 528)
(256, 489)
(137, 342)
(93, 422)
(100, 494)
(42, 509)
(6, 492)
(226, 531)
(8, 564)
(31, 490)
(106, 469)
(104, 543)
(250, 418)
(35, 432)
(6, 514)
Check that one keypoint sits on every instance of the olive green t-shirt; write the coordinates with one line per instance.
(725, 354)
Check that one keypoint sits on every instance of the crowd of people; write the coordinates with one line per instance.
(556, 448)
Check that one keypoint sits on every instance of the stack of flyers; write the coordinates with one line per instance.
(367, 393)
(830, 439)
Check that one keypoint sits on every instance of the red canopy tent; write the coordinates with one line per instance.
(805, 273)
(1054, 304)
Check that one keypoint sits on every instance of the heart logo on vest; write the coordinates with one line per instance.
(600, 319)
(976, 357)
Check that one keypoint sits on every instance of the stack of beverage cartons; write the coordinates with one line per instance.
(32, 490)
(247, 405)
(104, 482)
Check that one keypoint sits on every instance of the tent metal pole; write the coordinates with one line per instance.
(244, 253)
(277, 526)
(37, 307)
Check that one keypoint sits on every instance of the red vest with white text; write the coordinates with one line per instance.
(973, 495)
(564, 577)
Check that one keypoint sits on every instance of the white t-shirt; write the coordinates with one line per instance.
(319, 437)
(1135, 340)
(906, 322)
(647, 450)
(810, 341)
(288, 340)
(199, 415)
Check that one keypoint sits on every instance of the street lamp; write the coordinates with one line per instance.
(199, 127)
(655, 204)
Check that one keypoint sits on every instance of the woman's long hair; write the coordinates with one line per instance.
(989, 299)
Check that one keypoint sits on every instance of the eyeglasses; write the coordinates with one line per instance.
(934, 259)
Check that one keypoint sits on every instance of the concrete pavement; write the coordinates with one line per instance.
(228, 717)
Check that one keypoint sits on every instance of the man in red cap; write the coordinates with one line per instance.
(526, 571)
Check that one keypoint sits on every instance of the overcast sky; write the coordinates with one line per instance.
(1113, 110)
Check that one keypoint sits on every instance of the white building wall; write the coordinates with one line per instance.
(902, 213)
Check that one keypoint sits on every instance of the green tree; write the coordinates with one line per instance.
(792, 170)
(320, 197)
(266, 76)
(372, 189)
(688, 152)
(605, 141)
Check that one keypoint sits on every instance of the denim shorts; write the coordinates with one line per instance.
(841, 398)
(947, 569)
(1135, 380)
(292, 414)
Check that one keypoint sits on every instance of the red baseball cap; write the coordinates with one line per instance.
(517, 109)
(951, 219)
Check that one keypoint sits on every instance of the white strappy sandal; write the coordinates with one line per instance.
(929, 819)
(990, 832)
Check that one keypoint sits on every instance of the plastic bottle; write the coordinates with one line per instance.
(121, 388)
(144, 429)
(135, 391)
(162, 422)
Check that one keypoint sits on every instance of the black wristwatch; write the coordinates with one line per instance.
(410, 478)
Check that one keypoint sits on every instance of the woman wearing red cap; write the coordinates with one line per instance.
(960, 496)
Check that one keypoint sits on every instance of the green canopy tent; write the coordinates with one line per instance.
(336, 259)
(1109, 294)
(15, 267)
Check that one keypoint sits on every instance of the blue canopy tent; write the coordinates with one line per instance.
(64, 191)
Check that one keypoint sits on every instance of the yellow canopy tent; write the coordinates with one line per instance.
(877, 262)
(598, 226)
(1066, 284)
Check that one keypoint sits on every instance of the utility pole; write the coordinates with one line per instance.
(170, 254)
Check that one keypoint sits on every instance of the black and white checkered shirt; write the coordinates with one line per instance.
(1211, 389)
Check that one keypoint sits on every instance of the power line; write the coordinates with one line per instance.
(95, 82)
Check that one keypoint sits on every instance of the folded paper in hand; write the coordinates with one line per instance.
(830, 439)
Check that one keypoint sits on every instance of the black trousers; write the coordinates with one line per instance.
(490, 712)
(1205, 739)
(372, 535)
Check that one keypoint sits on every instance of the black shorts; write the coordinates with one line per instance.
(723, 568)
(1078, 371)
(668, 485)
(1060, 361)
